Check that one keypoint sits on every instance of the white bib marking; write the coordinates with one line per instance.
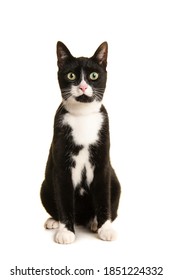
(82, 161)
(85, 130)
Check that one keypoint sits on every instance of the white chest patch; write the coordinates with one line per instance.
(81, 162)
(85, 131)
(85, 128)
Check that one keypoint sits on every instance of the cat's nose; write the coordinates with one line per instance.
(83, 86)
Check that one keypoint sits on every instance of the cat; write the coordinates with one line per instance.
(80, 185)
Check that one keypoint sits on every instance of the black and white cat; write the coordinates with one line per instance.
(80, 185)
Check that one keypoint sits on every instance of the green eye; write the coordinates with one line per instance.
(94, 76)
(71, 76)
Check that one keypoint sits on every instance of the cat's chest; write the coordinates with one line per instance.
(85, 128)
(85, 132)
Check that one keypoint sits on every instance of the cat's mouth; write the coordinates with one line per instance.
(84, 98)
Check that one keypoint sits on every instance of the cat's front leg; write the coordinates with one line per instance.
(103, 210)
(64, 202)
(106, 232)
(63, 235)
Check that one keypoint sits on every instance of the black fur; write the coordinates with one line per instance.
(61, 200)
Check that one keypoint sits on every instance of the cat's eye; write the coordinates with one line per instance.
(71, 76)
(94, 76)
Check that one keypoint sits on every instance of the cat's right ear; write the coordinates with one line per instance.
(63, 54)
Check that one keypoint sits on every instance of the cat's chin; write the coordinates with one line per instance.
(84, 98)
(81, 108)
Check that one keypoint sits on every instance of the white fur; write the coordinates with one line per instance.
(51, 224)
(78, 108)
(63, 235)
(76, 91)
(82, 191)
(106, 232)
(82, 160)
(85, 129)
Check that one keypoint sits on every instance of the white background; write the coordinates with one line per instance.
(139, 101)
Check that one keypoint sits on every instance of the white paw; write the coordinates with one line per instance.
(51, 224)
(106, 232)
(64, 236)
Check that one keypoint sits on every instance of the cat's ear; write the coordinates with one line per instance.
(63, 54)
(101, 54)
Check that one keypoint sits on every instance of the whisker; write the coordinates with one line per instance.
(66, 93)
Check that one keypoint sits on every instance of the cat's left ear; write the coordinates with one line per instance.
(101, 54)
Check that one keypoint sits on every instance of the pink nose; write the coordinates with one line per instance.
(83, 86)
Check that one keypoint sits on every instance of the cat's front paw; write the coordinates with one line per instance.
(64, 236)
(106, 232)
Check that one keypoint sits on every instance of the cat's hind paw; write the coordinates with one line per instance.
(93, 225)
(51, 224)
(106, 232)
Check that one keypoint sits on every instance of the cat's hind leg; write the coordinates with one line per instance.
(115, 195)
(51, 224)
(93, 224)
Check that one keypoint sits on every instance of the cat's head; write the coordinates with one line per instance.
(82, 80)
